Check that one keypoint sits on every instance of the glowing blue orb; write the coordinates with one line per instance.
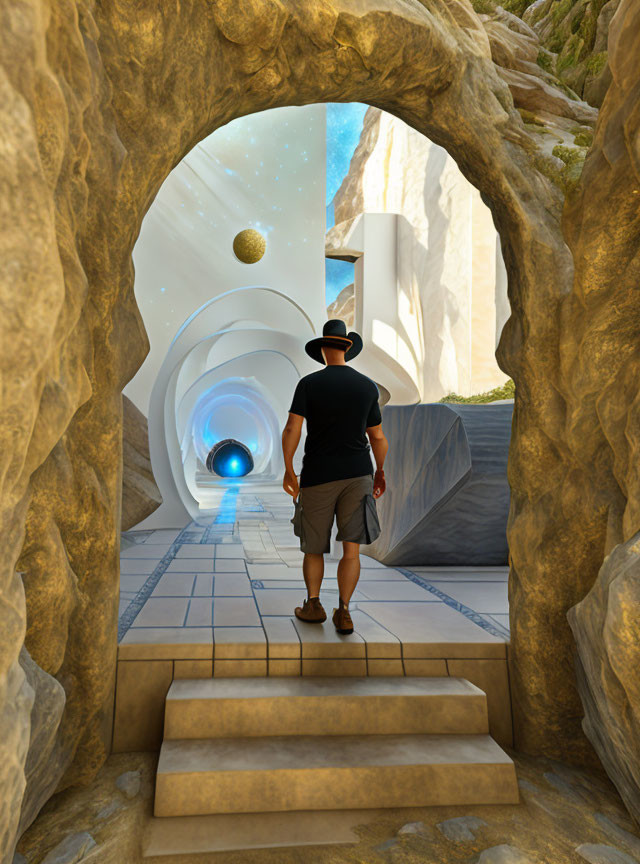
(230, 458)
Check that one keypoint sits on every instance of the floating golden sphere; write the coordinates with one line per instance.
(249, 246)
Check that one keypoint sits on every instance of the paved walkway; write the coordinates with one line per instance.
(238, 575)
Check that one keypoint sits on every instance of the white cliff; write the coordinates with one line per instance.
(450, 292)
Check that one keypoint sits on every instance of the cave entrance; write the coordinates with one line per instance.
(149, 85)
(431, 68)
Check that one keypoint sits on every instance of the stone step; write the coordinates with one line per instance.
(232, 832)
(235, 707)
(329, 772)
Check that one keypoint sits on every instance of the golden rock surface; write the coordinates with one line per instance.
(606, 626)
(560, 808)
(98, 102)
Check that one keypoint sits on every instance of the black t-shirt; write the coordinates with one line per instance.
(339, 404)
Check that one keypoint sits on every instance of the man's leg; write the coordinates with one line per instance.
(348, 571)
(313, 571)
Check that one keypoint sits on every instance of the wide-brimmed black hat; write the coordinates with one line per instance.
(334, 335)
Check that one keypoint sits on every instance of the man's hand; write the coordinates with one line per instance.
(379, 446)
(290, 484)
(379, 483)
(290, 440)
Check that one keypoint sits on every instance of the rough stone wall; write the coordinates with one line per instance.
(64, 325)
(602, 226)
(597, 500)
(140, 494)
(574, 36)
(572, 41)
(606, 627)
(560, 122)
(98, 102)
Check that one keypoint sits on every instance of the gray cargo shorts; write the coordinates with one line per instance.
(351, 501)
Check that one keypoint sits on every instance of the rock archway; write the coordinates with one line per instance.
(101, 100)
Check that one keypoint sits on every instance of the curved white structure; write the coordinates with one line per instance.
(230, 372)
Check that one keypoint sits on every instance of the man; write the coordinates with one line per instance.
(340, 405)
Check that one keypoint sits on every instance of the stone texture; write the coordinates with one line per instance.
(606, 626)
(129, 783)
(560, 122)
(111, 808)
(601, 853)
(219, 708)
(140, 699)
(117, 829)
(140, 495)
(575, 36)
(413, 828)
(595, 469)
(461, 828)
(73, 849)
(60, 406)
(98, 103)
(620, 835)
(447, 497)
(549, 837)
(492, 677)
(562, 786)
(532, 94)
(199, 777)
(504, 854)
(43, 762)
(530, 69)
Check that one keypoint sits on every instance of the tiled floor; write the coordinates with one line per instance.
(217, 599)
(242, 568)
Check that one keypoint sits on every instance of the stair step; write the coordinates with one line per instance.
(230, 832)
(330, 772)
(235, 707)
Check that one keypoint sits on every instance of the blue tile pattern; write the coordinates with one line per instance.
(268, 540)
(130, 613)
(490, 626)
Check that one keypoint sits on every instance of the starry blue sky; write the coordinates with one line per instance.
(344, 125)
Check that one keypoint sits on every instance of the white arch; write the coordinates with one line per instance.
(271, 386)
(281, 326)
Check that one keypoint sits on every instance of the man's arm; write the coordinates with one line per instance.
(379, 446)
(290, 440)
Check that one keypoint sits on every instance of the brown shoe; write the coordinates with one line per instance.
(311, 611)
(342, 621)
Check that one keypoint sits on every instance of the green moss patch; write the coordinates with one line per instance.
(484, 7)
(516, 7)
(583, 139)
(596, 63)
(549, 167)
(570, 53)
(544, 62)
(529, 117)
(507, 391)
(573, 158)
